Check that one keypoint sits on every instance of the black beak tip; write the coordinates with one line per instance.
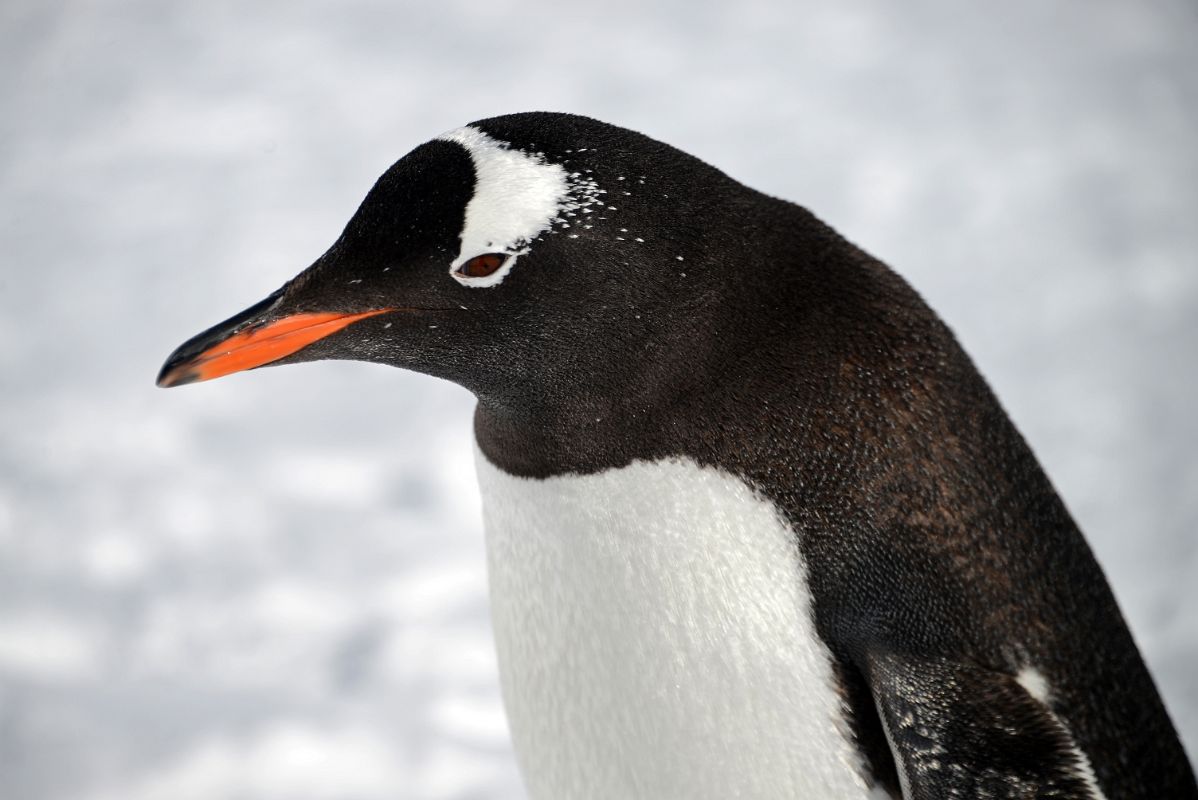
(175, 372)
(175, 375)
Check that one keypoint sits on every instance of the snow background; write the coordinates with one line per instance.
(272, 586)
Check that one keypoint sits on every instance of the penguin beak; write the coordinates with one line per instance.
(249, 340)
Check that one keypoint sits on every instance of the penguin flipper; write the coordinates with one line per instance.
(960, 730)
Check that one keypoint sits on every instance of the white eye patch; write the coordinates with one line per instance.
(518, 196)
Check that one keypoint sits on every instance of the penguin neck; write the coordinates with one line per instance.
(584, 434)
(588, 416)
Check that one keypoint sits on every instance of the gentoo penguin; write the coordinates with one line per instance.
(756, 527)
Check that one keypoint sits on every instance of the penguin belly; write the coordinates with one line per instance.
(656, 640)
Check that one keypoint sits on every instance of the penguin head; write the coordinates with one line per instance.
(506, 255)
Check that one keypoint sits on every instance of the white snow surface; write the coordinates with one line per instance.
(273, 585)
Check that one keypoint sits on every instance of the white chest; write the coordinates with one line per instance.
(656, 640)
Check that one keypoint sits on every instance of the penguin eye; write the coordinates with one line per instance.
(482, 266)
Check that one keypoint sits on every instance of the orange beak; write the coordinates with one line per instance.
(203, 359)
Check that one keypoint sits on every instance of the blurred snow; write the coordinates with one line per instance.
(273, 586)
